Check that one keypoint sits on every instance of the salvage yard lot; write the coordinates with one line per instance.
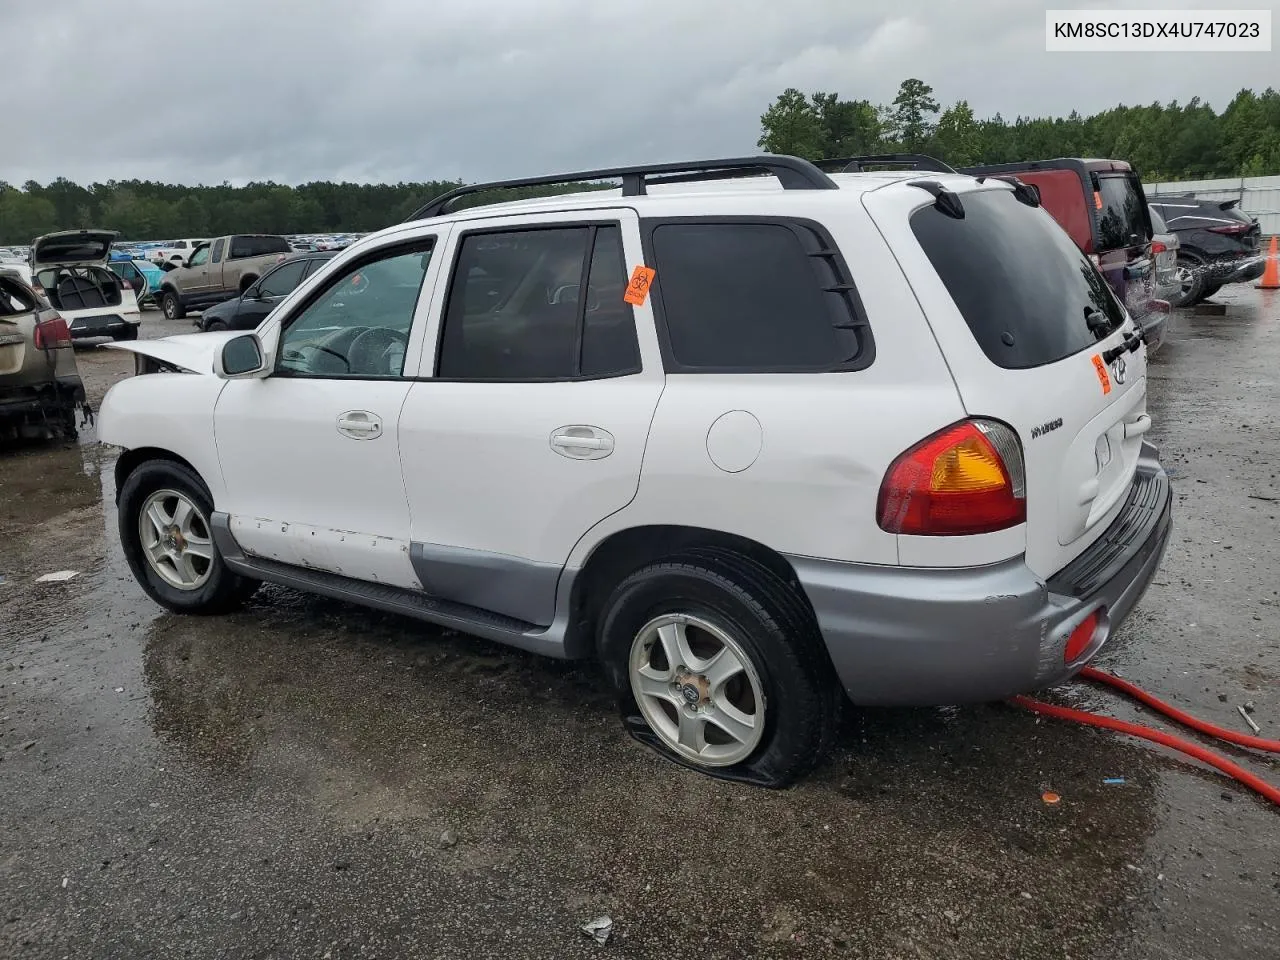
(307, 778)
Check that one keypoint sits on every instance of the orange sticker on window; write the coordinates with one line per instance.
(1100, 369)
(638, 288)
(1097, 199)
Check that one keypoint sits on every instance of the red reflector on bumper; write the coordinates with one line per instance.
(1081, 637)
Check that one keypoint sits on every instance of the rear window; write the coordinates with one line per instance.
(1119, 205)
(755, 296)
(1025, 290)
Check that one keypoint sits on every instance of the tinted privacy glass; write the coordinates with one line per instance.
(282, 281)
(516, 309)
(1026, 291)
(748, 296)
(1120, 216)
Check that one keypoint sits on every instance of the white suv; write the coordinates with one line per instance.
(748, 440)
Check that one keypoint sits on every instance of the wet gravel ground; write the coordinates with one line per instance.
(309, 779)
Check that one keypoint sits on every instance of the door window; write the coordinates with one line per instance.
(282, 280)
(540, 304)
(358, 324)
(199, 258)
(217, 250)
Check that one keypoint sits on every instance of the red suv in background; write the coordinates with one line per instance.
(1101, 205)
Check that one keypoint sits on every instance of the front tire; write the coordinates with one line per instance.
(725, 664)
(164, 513)
(171, 304)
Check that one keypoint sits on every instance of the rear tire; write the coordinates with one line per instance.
(722, 603)
(1191, 278)
(186, 575)
(171, 304)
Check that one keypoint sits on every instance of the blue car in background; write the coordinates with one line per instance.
(143, 275)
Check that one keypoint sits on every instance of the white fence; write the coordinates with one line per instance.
(1259, 196)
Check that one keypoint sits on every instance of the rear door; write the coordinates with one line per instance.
(530, 425)
(1035, 338)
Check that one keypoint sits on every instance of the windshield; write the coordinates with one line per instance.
(1028, 294)
(1119, 205)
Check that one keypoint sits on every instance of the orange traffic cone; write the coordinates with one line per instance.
(1271, 275)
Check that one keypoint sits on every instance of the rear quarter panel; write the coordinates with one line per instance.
(825, 440)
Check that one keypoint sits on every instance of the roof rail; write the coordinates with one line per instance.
(919, 161)
(792, 172)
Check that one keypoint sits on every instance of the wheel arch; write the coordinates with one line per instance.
(130, 460)
(247, 281)
(625, 551)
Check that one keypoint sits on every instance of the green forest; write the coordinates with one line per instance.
(1164, 142)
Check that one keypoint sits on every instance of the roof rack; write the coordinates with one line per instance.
(792, 172)
(918, 161)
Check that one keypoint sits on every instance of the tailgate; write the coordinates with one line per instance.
(1034, 337)
(13, 346)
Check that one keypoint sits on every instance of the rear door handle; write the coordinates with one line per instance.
(360, 425)
(580, 442)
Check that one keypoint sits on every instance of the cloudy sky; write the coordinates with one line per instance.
(387, 90)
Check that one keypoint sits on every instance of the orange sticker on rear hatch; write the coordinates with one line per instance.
(1100, 369)
(638, 288)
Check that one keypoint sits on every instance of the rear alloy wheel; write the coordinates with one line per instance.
(1191, 283)
(724, 664)
(697, 689)
(164, 512)
(172, 306)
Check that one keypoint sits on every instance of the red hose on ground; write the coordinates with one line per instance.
(1173, 713)
(1164, 739)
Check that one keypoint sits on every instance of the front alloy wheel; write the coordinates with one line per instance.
(697, 689)
(175, 539)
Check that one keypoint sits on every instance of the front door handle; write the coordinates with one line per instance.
(360, 425)
(580, 442)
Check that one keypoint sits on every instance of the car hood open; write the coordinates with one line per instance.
(193, 352)
(72, 247)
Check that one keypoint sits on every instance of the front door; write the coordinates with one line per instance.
(530, 426)
(196, 280)
(309, 454)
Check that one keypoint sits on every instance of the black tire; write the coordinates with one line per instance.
(773, 625)
(1191, 277)
(172, 306)
(223, 590)
(128, 333)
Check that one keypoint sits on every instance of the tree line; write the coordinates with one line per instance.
(1164, 142)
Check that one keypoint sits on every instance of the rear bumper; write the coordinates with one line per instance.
(922, 637)
(46, 396)
(103, 324)
(1239, 270)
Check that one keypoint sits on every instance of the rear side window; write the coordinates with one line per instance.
(217, 250)
(517, 307)
(1025, 290)
(14, 299)
(1119, 205)
(755, 296)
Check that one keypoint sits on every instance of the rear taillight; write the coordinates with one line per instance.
(1232, 229)
(1157, 247)
(966, 479)
(51, 333)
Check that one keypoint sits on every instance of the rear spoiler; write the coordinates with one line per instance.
(1228, 204)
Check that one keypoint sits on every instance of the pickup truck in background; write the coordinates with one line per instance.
(174, 253)
(218, 270)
